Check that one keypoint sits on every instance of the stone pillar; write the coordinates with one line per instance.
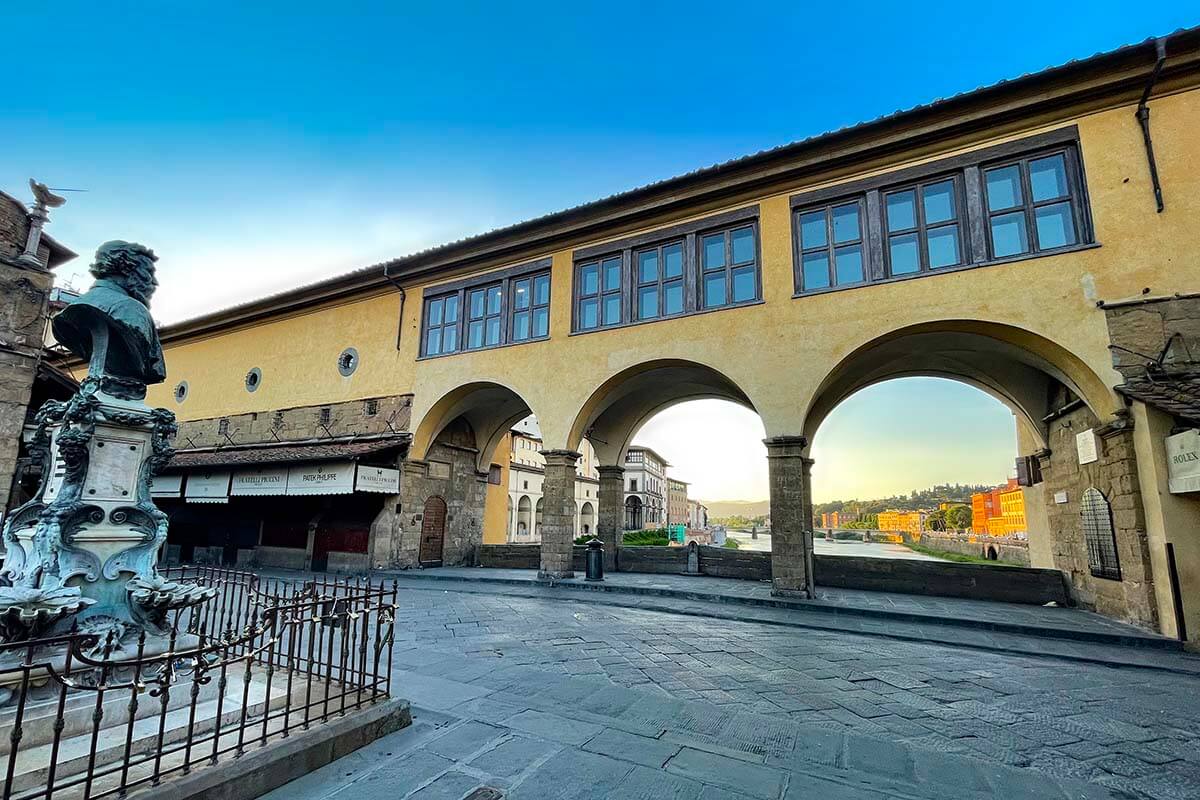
(610, 518)
(791, 516)
(23, 305)
(558, 514)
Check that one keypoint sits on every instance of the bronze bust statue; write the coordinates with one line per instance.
(110, 325)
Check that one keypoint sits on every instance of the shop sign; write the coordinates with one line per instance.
(208, 487)
(1183, 462)
(326, 478)
(377, 479)
(260, 481)
(166, 486)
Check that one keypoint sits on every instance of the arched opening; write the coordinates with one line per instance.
(975, 471)
(490, 409)
(524, 519)
(587, 519)
(633, 513)
(537, 520)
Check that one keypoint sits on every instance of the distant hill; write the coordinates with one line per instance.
(737, 508)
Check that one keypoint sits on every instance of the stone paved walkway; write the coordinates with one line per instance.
(567, 697)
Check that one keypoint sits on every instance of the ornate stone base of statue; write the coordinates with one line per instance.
(81, 555)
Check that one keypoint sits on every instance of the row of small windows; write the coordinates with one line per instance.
(724, 272)
(1027, 206)
(948, 215)
(506, 312)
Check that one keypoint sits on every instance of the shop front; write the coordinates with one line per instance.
(291, 507)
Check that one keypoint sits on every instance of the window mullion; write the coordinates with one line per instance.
(874, 219)
(921, 230)
(691, 280)
(506, 308)
(628, 286)
(1035, 244)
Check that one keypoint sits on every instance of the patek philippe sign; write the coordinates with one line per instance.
(1183, 462)
(377, 479)
(327, 478)
(261, 481)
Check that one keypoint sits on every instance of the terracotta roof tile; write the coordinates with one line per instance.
(283, 453)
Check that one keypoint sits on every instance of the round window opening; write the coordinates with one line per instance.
(347, 362)
(181, 391)
(253, 379)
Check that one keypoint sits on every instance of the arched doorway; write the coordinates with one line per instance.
(523, 517)
(433, 532)
(587, 519)
(633, 513)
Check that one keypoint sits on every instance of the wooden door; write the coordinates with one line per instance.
(433, 532)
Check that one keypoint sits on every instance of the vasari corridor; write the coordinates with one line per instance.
(365, 436)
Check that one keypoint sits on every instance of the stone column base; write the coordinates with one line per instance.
(798, 592)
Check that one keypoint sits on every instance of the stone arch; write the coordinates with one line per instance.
(489, 407)
(1017, 367)
(524, 516)
(587, 519)
(625, 401)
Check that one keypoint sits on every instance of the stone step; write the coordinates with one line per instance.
(32, 764)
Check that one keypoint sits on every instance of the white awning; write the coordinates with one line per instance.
(260, 481)
(384, 480)
(208, 487)
(328, 478)
(166, 486)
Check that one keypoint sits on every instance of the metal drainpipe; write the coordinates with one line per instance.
(403, 296)
(1143, 118)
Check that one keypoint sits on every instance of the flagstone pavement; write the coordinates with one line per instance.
(564, 697)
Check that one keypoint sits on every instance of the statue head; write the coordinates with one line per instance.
(129, 265)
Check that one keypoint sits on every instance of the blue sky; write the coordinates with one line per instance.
(260, 145)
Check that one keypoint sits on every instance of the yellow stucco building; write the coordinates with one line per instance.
(1009, 234)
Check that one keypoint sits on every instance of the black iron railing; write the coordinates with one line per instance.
(96, 715)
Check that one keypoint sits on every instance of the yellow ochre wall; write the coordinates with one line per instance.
(777, 352)
(495, 514)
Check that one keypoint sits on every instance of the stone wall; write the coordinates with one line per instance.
(1145, 331)
(448, 472)
(23, 308)
(378, 415)
(1114, 473)
(995, 548)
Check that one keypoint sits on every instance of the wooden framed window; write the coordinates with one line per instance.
(503, 307)
(924, 226)
(659, 272)
(441, 324)
(831, 245)
(1032, 204)
(530, 303)
(1011, 201)
(598, 286)
(729, 267)
(484, 312)
(688, 268)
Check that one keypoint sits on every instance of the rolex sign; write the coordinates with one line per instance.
(1183, 462)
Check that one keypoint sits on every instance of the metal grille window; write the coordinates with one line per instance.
(729, 267)
(483, 317)
(660, 281)
(441, 325)
(831, 246)
(599, 290)
(1099, 536)
(531, 308)
(923, 227)
(1032, 205)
